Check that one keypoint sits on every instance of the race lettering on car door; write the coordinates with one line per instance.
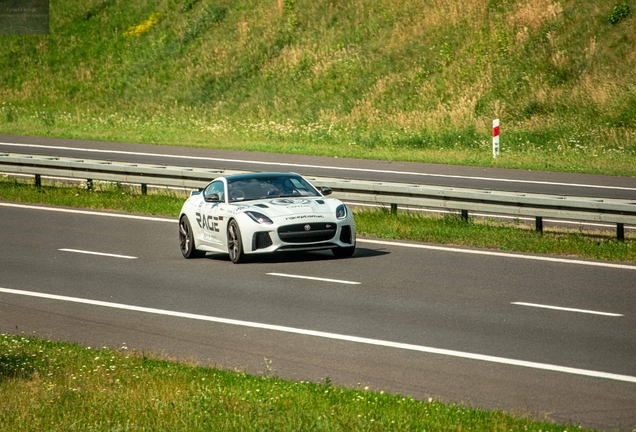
(208, 222)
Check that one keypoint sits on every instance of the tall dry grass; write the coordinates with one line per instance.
(361, 74)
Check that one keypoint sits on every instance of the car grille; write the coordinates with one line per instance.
(261, 240)
(298, 233)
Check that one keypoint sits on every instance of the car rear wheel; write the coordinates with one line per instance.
(186, 240)
(343, 252)
(235, 243)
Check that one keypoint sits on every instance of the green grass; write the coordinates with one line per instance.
(103, 196)
(401, 80)
(46, 385)
(372, 223)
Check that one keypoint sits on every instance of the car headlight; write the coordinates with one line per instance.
(341, 211)
(259, 217)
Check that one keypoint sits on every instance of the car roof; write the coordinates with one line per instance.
(263, 175)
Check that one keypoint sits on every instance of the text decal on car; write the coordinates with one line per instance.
(208, 222)
(305, 217)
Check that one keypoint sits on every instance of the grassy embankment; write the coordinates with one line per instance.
(371, 223)
(48, 385)
(400, 80)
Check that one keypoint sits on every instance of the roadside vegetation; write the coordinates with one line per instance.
(415, 226)
(47, 385)
(400, 80)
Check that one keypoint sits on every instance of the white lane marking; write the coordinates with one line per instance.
(334, 336)
(319, 166)
(499, 254)
(88, 212)
(314, 278)
(97, 253)
(360, 240)
(567, 309)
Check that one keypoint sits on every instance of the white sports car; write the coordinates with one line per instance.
(263, 213)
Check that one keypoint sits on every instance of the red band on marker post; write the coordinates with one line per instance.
(495, 138)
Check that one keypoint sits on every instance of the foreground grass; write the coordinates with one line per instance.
(371, 223)
(47, 385)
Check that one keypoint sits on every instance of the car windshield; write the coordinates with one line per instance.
(254, 188)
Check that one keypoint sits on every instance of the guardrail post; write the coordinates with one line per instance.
(620, 232)
(393, 209)
(465, 215)
(89, 184)
(38, 180)
(144, 189)
(538, 224)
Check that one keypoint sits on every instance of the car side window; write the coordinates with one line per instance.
(217, 188)
(303, 189)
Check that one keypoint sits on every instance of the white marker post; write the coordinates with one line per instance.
(495, 138)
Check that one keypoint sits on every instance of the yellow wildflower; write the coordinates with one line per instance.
(138, 30)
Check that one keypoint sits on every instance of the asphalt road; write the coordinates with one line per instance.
(457, 324)
(431, 174)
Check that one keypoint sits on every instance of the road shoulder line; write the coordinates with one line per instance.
(333, 336)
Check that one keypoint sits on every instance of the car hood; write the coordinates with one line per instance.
(289, 209)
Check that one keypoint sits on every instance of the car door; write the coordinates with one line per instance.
(208, 216)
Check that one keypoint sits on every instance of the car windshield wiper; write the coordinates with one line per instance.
(296, 196)
(235, 200)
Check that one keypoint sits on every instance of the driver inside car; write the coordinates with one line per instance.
(283, 188)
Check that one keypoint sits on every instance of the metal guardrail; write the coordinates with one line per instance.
(616, 211)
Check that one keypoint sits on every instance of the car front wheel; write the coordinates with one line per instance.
(235, 243)
(186, 240)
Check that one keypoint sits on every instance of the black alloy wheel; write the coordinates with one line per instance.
(235, 243)
(186, 240)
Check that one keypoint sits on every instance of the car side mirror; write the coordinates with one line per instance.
(325, 190)
(212, 198)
